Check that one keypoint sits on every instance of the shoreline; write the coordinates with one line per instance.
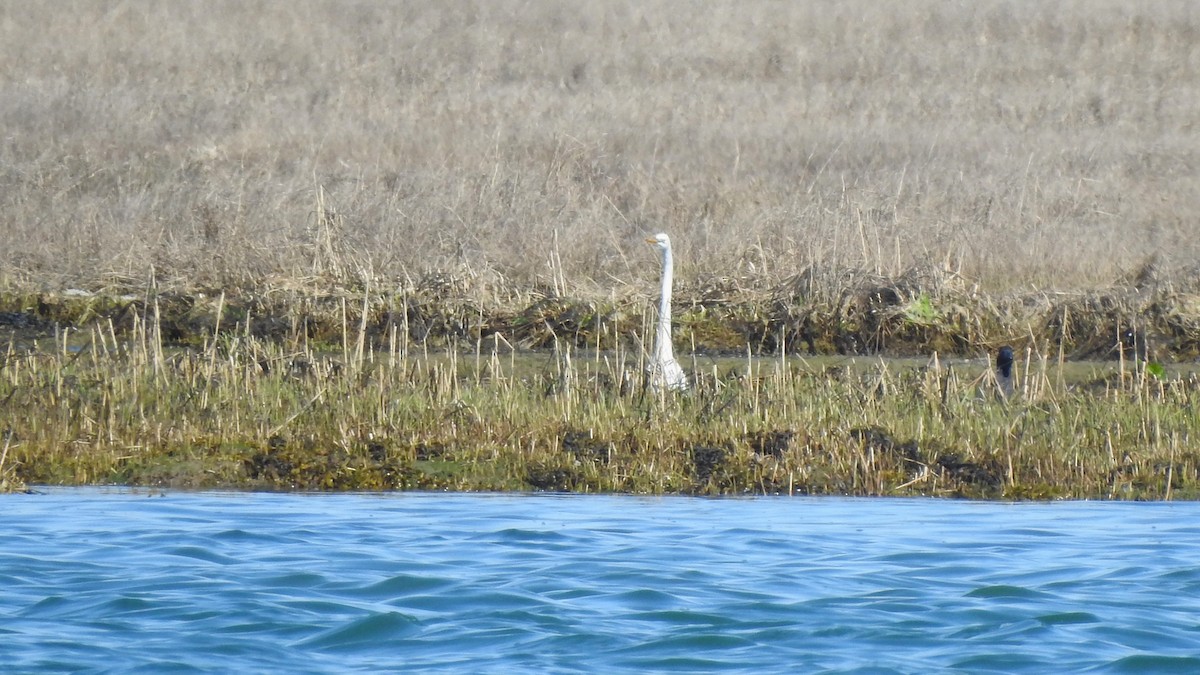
(116, 405)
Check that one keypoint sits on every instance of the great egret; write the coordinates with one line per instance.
(1004, 364)
(664, 371)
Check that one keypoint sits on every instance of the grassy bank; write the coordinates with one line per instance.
(820, 311)
(247, 413)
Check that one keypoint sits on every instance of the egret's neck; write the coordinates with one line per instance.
(662, 340)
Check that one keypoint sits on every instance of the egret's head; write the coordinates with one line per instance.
(660, 240)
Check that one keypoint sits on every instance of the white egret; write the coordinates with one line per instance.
(664, 371)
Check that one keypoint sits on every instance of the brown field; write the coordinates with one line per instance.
(1019, 145)
(237, 237)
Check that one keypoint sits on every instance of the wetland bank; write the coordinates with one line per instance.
(326, 245)
(378, 410)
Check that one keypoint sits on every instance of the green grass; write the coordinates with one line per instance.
(246, 413)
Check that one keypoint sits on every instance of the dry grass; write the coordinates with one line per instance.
(243, 144)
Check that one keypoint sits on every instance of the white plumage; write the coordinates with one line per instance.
(664, 371)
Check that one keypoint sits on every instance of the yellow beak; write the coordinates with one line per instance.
(651, 241)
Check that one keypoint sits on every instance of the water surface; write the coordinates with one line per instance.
(95, 580)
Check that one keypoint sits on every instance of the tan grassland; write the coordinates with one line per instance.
(309, 244)
(244, 144)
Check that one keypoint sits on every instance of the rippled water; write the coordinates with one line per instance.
(95, 580)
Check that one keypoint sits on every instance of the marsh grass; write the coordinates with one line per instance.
(299, 245)
(241, 146)
(247, 413)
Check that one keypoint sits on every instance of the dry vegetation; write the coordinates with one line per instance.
(299, 193)
(245, 144)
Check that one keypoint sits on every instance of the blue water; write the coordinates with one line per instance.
(117, 581)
